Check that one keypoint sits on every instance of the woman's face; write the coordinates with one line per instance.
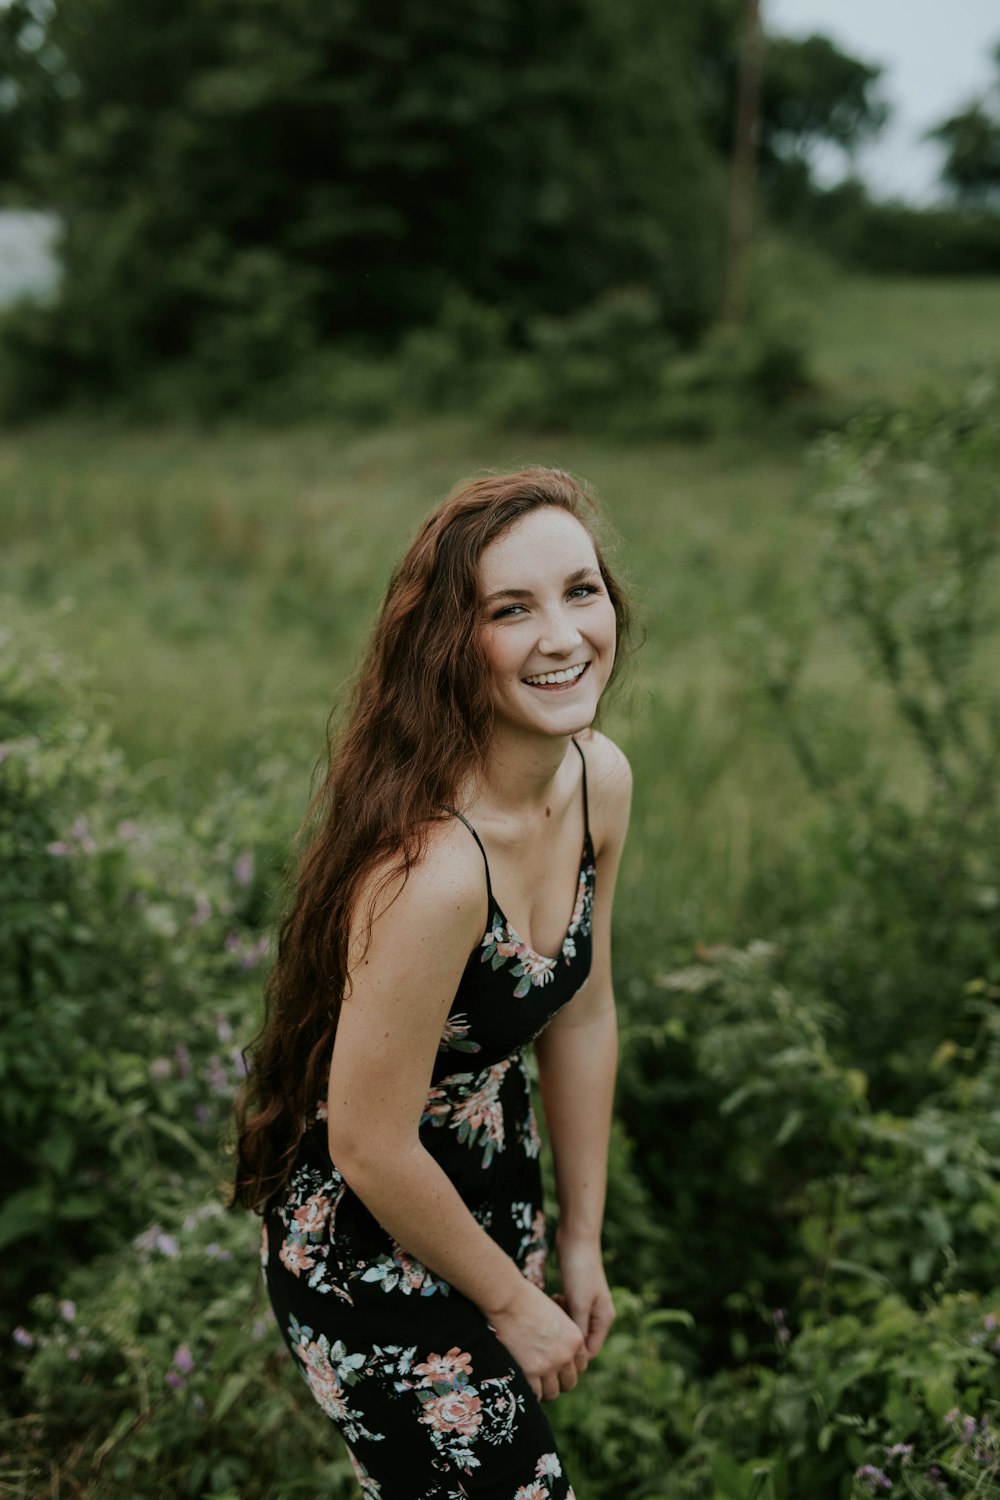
(544, 610)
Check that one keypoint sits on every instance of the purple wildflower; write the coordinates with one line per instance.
(233, 943)
(60, 849)
(184, 1359)
(67, 1309)
(899, 1450)
(989, 1322)
(73, 1353)
(23, 1337)
(874, 1479)
(202, 1114)
(968, 1429)
(223, 1030)
(174, 1379)
(81, 832)
(243, 867)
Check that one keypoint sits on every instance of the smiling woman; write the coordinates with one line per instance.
(386, 1130)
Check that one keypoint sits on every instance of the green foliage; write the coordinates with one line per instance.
(906, 866)
(971, 139)
(892, 238)
(124, 965)
(159, 1371)
(386, 163)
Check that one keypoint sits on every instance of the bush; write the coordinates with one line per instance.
(892, 899)
(129, 947)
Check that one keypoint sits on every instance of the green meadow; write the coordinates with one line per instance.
(217, 585)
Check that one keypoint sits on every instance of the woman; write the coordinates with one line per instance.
(396, 1170)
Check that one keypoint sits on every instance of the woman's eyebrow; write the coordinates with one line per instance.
(576, 577)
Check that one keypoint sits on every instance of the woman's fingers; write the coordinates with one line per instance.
(550, 1387)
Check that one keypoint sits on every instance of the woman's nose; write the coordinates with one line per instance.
(559, 635)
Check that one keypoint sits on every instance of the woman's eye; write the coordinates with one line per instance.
(581, 588)
(585, 588)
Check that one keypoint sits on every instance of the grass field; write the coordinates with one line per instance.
(219, 585)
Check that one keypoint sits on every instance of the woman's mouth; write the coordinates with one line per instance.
(557, 682)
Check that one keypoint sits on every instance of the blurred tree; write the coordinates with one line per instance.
(241, 180)
(815, 96)
(33, 78)
(972, 141)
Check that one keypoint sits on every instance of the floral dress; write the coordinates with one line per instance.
(431, 1404)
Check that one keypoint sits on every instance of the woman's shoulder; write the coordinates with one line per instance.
(445, 885)
(609, 787)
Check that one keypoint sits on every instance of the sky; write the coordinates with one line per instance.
(936, 55)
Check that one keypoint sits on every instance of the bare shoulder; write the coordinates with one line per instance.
(442, 897)
(609, 787)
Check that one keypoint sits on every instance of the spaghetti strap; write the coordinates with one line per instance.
(586, 812)
(475, 835)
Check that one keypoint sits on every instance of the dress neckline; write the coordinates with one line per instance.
(582, 871)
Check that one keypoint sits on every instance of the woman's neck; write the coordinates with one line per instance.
(520, 774)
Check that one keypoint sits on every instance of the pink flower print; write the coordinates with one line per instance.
(313, 1214)
(455, 1411)
(323, 1381)
(295, 1257)
(479, 1117)
(533, 1269)
(445, 1369)
(263, 1247)
(533, 1491)
(548, 1466)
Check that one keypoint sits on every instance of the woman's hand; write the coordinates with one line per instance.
(585, 1294)
(544, 1340)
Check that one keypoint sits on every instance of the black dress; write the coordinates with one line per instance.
(430, 1403)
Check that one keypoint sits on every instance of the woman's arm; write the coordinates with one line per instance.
(577, 1060)
(380, 1075)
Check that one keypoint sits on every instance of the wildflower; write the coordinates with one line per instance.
(174, 1379)
(183, 1359)
(127, 828)
(223, 1030)
(183, 1059)
(67, 1309)
(73, 1353)
(989, 1322)
(160, 1067)
(873, 1478)
(58, 848)
(215, 1252)
(243, 867)
(23, 1337)
(968, 1429)
(202, 1114)
(81, 832)
(899, 1450)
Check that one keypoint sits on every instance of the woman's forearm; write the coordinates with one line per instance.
(413, 1198)
(576, 1071)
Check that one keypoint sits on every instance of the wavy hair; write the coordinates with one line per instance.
(419, 721)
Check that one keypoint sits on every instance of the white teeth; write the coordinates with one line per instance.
(568, 676)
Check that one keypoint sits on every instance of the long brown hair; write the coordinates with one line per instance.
(420, 720)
